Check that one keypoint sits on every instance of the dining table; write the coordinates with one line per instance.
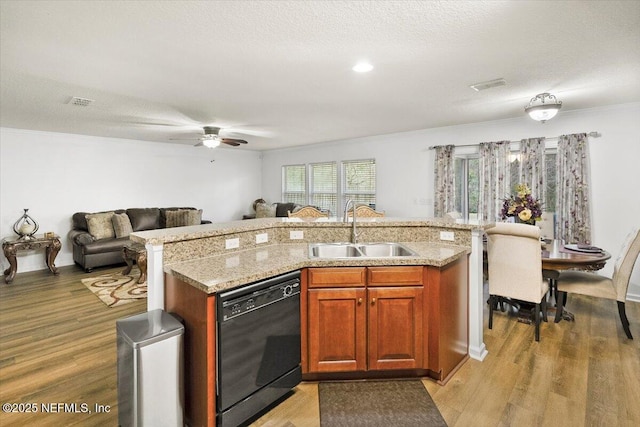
(557, 257)
(567, 259)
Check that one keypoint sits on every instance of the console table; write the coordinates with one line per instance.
(12, 245)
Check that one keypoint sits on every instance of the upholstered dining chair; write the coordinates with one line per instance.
(308, 212)
(514, 258)
(595, 285)
(364, 211)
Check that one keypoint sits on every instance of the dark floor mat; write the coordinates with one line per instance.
(403, 403)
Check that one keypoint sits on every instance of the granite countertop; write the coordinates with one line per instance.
(169, 235)
(226, 271)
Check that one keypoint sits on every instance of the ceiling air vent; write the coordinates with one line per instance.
(488, 85)
(81, 102)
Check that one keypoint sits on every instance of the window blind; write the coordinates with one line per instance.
(294, 184)
(359, 181)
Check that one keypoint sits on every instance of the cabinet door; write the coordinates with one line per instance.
(337, 330)
(395, 328)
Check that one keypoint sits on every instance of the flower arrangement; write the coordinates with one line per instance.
(522, 206)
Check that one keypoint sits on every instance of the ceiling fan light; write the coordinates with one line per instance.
(543, 107)
(211, 142)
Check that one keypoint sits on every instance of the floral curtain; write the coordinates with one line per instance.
(495, 182)
(573, 206)
(532, 168)
(444, 188)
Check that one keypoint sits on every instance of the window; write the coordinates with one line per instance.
(467, 184)
(359, 181)
(324, 186)
(294, 184)
(329, 187)
(549, 203)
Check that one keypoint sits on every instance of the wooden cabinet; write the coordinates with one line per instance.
(395, 338)
(338, 330)
(364, 319)
(448, 295)
(197, 310)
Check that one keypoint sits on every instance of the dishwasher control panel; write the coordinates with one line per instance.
(238, 305)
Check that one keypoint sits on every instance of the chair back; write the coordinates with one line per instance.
(624, 264)
(308, 212)
(363, 211)
(515, 262)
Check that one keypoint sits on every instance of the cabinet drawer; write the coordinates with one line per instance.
(344, 277)
(398, 276)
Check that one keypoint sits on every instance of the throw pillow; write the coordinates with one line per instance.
(100, 225)
(264, 210)
(183, 217)
(121, 225)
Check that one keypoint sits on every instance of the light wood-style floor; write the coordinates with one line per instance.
(57, 345)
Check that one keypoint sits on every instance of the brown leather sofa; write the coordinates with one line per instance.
(89, 252)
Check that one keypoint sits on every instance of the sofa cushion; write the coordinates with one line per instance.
(121, 225)
(144, 218)
(100, 225)
(79, 219)
(282, 209)
(183, 217)
(163, 214)
(265, 210)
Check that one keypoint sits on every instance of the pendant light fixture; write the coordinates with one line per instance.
(543, 107)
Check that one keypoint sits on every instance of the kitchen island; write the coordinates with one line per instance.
(190, 265)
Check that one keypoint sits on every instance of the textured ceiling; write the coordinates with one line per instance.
(278, 73)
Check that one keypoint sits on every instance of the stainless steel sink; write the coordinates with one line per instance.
(363, 250)
(333, 250)
(378, 250)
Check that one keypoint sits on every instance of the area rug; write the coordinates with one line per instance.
(398, 403)
(116, 289)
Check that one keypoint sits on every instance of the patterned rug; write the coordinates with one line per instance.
(403, 403)
(116, 289)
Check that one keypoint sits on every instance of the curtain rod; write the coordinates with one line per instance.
(594, 134)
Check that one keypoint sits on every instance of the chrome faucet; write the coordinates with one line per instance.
(354, 233)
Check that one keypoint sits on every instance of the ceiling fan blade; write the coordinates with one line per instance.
(232, 141)
(185, 139)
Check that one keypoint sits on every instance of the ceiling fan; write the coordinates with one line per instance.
(212, 139)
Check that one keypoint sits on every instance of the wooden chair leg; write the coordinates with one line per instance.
(560, 300)
(543, 306)
(624, 320)
(537, 320)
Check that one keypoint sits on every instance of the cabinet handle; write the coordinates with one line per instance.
(373, 301)
(359, 301)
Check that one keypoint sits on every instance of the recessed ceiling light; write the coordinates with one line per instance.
(362, 67)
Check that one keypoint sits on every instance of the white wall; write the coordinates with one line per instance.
(405, 166)
(55, 175)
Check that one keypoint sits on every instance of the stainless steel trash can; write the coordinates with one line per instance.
(150, 391)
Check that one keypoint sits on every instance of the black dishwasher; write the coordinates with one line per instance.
(258, 343)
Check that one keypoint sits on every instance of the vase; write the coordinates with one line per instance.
(25, 226)
(517, 220)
